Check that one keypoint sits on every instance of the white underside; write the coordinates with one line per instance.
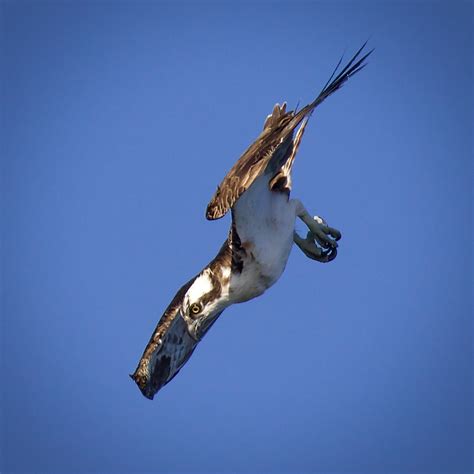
(265, 221)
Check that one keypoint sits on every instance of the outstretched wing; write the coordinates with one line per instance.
(173, 341)
(277, 133)
(168, 350)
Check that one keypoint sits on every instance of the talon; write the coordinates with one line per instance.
(319, 232)
(320, 238)
(326, 235)
(312, 251)
(326, 240)
(335, 233)
(330, 255)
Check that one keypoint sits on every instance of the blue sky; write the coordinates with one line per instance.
(118, 122)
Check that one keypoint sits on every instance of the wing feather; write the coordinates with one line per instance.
(169, 348)
(279, 125)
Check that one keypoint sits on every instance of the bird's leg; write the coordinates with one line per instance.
(319, 232)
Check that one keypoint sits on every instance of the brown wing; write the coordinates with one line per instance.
(173, 341)
(252, 163)
(279, 126)
(167, 351)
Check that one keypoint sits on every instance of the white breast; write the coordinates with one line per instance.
(265, 222)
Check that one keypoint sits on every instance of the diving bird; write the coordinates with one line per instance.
(257, 193)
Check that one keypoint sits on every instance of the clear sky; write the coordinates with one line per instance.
(118, 122)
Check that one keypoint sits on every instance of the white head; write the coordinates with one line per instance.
(204, 301)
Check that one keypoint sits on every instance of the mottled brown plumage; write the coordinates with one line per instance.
(258, 245)
(278, 130)
(158, 365)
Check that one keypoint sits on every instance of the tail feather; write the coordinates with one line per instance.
(271, 145)
(355, 65)
(349, 70)
(282, 179)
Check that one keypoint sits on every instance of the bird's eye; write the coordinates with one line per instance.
(195, 308)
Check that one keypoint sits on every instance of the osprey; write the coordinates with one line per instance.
(257, 192)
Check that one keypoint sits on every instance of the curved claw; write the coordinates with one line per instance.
(320, 232)
(328, 255)
(334, 233)
(323, 256)
(312, 251)
(326, 236)
(311, 236)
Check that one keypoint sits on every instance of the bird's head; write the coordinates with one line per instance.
(191, 313)
(203, 302)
